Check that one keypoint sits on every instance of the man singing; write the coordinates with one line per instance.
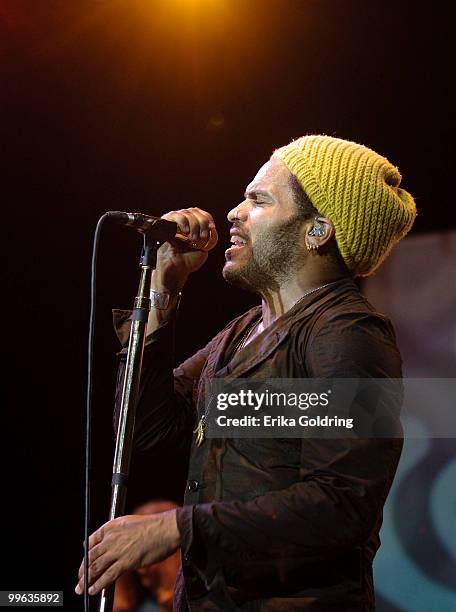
(273, 524)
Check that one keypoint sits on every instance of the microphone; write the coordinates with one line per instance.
(162, 229)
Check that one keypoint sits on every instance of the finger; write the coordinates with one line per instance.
(205, 222)
(94, 540)
(108, 577)
(94, 553)
(99, 565)
(193, 222)
(179, 217)
(188, 223)
(97, 536)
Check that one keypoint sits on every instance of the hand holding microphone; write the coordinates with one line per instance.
(178, 258)
(165, 229)
(187, 235)
(195, 228)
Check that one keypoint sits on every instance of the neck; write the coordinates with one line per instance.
(278, 301)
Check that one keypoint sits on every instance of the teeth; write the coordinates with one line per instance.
(237, 241)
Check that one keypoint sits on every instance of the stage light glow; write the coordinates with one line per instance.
(197, 54)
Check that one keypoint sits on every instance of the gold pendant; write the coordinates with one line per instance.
(199, 431)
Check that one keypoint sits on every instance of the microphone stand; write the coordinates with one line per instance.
(121, 466)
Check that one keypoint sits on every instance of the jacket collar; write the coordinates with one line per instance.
(261, 347)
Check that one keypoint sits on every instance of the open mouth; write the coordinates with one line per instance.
(237, 243)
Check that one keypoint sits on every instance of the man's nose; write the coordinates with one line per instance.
(238, 213)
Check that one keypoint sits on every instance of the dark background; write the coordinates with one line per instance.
(153, 105)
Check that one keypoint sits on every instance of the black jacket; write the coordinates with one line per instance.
(276, 524)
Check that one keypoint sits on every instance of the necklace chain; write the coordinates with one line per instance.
(246, 335)
(313, 291)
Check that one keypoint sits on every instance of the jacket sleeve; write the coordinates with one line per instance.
(165, 412)
(343, 483)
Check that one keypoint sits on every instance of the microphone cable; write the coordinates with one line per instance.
(88, 415)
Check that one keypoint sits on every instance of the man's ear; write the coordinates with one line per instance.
(319, 232)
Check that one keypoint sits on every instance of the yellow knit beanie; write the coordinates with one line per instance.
(358, 190)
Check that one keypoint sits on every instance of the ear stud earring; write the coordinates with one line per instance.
(317, 230)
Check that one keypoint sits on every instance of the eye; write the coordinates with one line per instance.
(260, 201)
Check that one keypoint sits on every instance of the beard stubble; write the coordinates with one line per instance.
(276, 256)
